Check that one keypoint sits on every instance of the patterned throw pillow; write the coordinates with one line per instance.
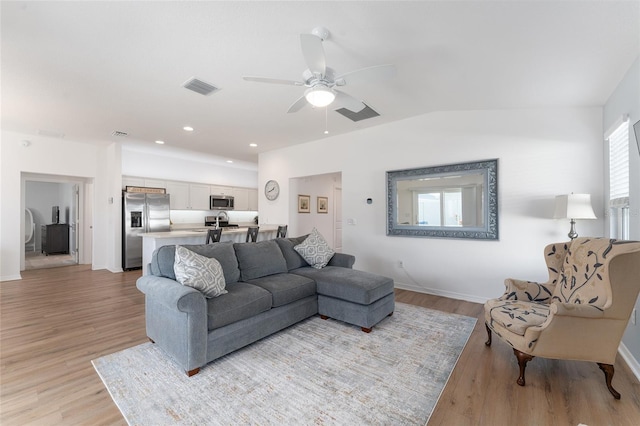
(315, 250)
(200, 272)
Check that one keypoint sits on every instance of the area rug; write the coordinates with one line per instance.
(317, 372)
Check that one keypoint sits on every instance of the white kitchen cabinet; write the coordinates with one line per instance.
(179, 195)
(154, 183)
(131, 181)
(188, 196)
(253, 199)
(199, 196)
(240, 199)
(142, 182)
(221, 190)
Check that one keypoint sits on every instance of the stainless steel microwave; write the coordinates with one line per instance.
(221, 202)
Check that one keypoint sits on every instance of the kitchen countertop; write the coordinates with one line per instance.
(194, 232)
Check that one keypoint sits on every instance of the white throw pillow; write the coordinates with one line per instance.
(200, 272)
(315, 250)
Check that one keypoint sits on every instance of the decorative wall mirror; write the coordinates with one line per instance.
(450, 201)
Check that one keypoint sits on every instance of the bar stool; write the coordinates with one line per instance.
(213, 235)
(282, 231)
(252, 233)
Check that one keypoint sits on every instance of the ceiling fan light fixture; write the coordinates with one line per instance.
(320, 96)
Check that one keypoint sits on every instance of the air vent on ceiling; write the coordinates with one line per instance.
(364, 114)
(200, 86)
(119, 133)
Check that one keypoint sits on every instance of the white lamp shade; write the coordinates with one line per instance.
(574, 206)
(320, 96)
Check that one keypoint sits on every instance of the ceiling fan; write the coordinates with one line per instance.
(321, 81)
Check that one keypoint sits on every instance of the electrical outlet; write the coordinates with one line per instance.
(400, 264)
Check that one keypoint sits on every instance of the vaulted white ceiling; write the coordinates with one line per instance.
(87, 69)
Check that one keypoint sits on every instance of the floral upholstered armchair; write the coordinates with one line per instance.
(579, 314)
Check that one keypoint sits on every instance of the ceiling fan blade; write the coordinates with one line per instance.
(313, 53)
(298, 105)
(367, 75)
(347, 101)
(273, 81)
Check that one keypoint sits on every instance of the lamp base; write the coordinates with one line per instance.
(572, 232)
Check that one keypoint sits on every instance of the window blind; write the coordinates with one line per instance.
(619, 166)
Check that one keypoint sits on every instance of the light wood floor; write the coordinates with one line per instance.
(55, 321)
(38, 260)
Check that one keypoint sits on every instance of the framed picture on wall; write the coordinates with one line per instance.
(304, 202)
(323, 204)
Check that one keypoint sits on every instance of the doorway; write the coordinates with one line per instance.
(56, 217)
(327, 221)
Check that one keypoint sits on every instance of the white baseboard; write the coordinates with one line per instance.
(114, 270)
(436, 292)
(11, 277)
(631, 361)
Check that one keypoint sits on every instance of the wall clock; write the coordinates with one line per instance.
(271, 190)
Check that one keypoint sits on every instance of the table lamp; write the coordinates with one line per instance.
(574, 206)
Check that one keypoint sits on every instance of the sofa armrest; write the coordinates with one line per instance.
(526, 290)
(170, 293)
(343, 260)
(176, 320)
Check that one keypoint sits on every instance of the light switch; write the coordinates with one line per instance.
(351, 221)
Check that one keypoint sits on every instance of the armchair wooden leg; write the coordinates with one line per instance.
(488, 342)
(608, 371)
(522, 363)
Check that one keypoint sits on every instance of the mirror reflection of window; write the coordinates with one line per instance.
(429, 209)
(452, 205)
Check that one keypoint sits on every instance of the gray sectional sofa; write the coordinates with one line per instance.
(269, 287)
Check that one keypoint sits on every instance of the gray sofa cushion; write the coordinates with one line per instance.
(259, 259)
(293, 258)
(348, 284)
(164, 257)
(242, 301)
(286, 288)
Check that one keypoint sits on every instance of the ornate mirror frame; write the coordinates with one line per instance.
(484, 190)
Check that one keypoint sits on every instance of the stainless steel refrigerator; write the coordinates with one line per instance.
(141, 213)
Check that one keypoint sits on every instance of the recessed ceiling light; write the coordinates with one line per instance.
(229, 161)
(253, 145)
(160, 142)
(188, 128)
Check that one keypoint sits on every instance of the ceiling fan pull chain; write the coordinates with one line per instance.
(326, 126)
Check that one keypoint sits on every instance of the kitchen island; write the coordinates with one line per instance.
(153, 240)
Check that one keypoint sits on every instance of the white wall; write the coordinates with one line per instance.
(56, 157)
(542, 153)
(625, 100)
